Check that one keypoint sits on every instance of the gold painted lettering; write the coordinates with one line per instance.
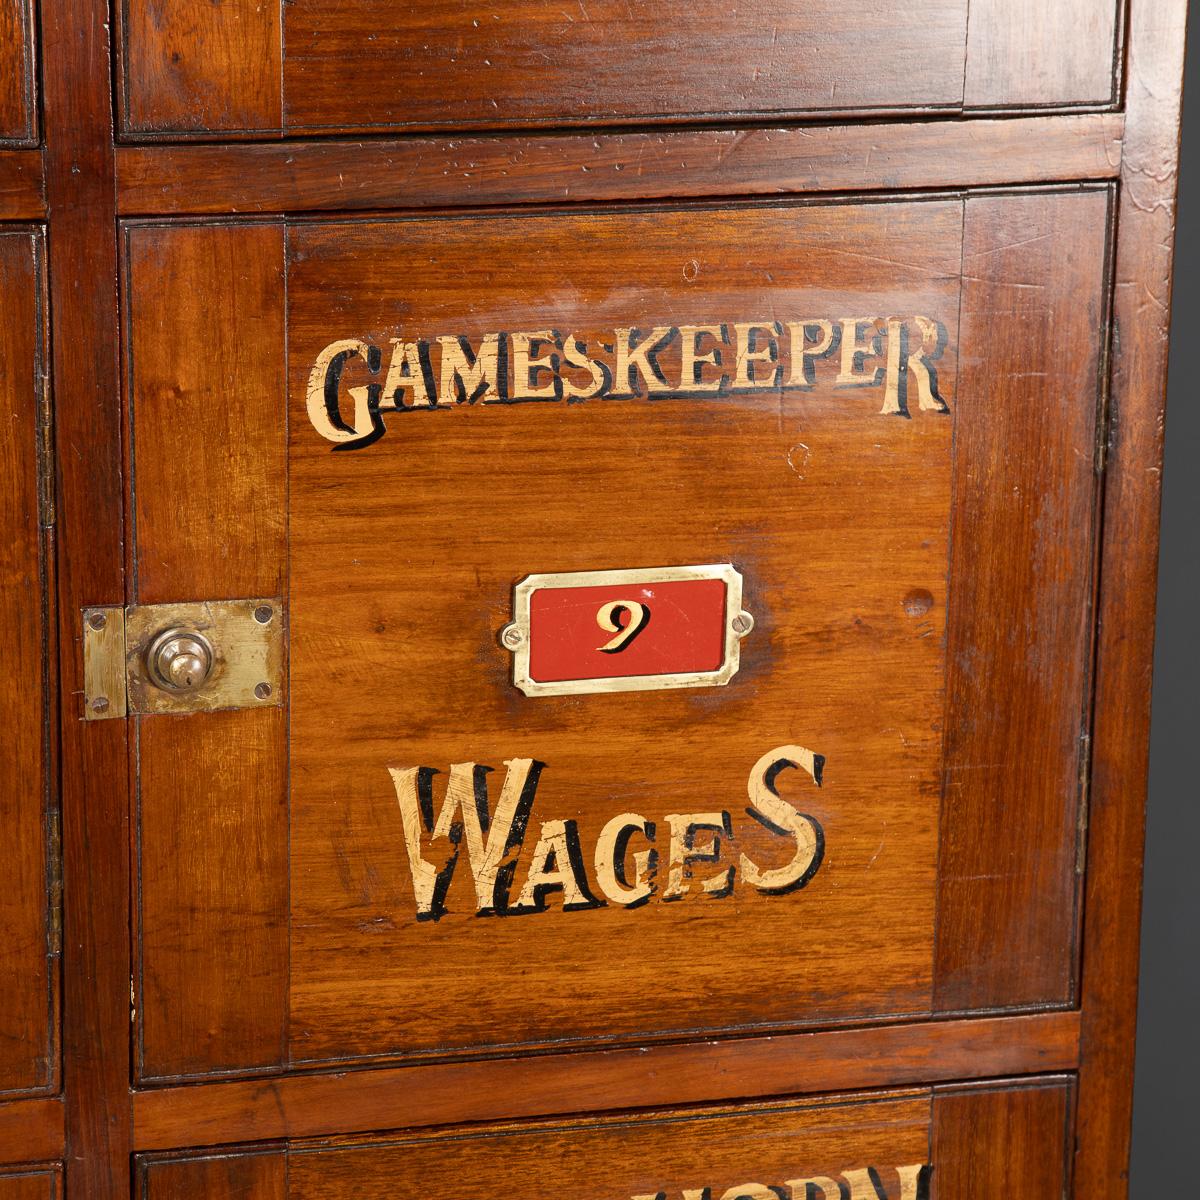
(777, 815)
(557, 865)
(640, 358)
(854, 351)
(576, 355)
(748, 352)
(691, 375)
(920, 363)
(459, 820)
(817, 1187)
(409, 370)
(323, 386)
(467, 377)
(912, 1179)
(891, 387)
(805, 351)
(611, 849)
(526, 368)
(685, 852)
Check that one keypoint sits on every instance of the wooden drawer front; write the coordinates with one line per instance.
(328, 65)
(30, 1183)
(874, 817)
(27, 954)
(18, 103)
(917, 1145)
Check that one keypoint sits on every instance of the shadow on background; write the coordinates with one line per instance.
(1166, 1119)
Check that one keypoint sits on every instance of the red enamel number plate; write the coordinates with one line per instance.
(596, 631)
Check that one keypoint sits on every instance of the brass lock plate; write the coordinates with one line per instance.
(247, 639)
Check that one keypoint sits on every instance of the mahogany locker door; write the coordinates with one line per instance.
(836, 463)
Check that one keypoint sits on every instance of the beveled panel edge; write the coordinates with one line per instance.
(426, 172)
(32, 1131)
(329, 1104)
(22, 186)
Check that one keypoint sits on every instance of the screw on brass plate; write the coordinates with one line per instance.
(510, 635)
(100, 704)
(262, 690)
(263, 614)
(743, 623)
(97, 620)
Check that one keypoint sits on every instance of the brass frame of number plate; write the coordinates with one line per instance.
(738, 623)
(248, 657)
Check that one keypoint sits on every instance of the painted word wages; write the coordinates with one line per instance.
(868, 1183)
(353, 382)
(632, 862)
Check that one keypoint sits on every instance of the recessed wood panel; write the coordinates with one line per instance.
(30, 1183)
(1002, 1141)
(1062, 54)
(212, 892)
(369, 65)
(196, 66)
(422, 535)
(209, 469)
(1020, 624)
(28, 900)
(261, 1176)
(18, 98)
(209, 481)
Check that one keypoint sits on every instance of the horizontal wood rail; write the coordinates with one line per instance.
(31, 1130)
(794, 1064)
(555, 168)
(22, 193)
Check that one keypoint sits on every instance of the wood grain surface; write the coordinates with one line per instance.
(1128, 580)
(258, 1176)
(31, 1183)
(565, 167)
(1006, 1141)
(31, 1130)
(365, 65)
(1020, 641)
(90, 511)
(212, 905)
(18, 73)
(315, 1104)
(423, 643)
(29, 1035)
(954, 611)
(1027, 52)
(22, 190)
(887, 1147)
(799, 489)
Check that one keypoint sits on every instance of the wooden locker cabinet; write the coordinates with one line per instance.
(583, 614)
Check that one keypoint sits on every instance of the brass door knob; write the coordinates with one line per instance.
(179, 660)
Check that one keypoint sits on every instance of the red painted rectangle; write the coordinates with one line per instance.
(682, 630)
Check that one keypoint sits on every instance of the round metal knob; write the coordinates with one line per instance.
(179, 660)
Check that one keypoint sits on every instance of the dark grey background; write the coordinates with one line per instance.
(1166, 1119)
